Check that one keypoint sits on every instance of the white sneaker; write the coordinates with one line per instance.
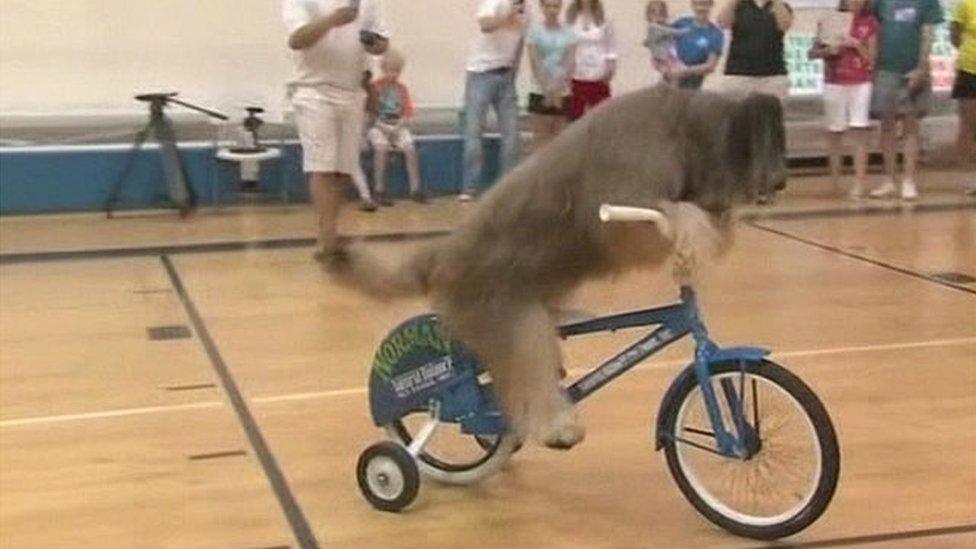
(465, 197)
(908, 190)
(885, 190)
(856, 193)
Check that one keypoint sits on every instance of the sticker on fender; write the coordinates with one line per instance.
(424, 377)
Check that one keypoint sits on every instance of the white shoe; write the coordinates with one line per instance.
(465, 197)
(885, 190)
(856, 193)
(908, 190)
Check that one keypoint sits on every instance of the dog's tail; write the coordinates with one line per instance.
(404, 273)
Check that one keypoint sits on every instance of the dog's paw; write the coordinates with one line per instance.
(564, 433)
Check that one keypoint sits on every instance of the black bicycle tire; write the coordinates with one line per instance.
(826, 436)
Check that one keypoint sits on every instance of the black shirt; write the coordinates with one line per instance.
(757, 43)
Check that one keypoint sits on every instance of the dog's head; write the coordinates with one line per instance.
(755, 143)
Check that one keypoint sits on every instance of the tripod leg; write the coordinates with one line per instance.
(113, 194)
(180, 191)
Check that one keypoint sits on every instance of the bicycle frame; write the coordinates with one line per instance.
(675, 322)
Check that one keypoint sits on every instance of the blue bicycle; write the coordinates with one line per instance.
(748, 443)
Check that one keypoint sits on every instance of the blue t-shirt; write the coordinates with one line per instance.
(552, 45)
(694, 47)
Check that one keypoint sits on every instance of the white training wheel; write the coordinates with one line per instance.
(388, 476)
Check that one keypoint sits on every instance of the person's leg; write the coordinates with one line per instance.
(506, 108)
(381, 153)
(859, 116)
(476, 100)
(835, 155)
(327, 197)
(404, 142)
(884, 105)
(362, 189)
(540, 131)
(910, 126)
(861, 138)
(835, 115)
(966, 141)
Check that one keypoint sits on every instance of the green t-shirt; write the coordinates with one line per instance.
(900, 35)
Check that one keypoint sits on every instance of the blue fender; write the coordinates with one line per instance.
(730, 354)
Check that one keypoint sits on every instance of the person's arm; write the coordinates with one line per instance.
(783, 14)
(725, 16)
(536, 65)
(701, 69)
(955, 27)
(308, 34)
(921, 71)
(569, 61)
(492, 17)
(955, 34)
(610, 47)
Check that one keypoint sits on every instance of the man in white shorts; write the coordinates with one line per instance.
(330, 40)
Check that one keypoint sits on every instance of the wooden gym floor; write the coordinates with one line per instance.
(241, 427)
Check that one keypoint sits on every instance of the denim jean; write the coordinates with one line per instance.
(481, 90)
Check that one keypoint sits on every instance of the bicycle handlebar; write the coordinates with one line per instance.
(612, 213)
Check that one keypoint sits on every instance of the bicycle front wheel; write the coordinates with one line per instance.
(789, 472)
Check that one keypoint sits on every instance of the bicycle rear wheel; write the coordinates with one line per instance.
(790, 472)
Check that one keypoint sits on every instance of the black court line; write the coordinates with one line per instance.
(217, 455)
(875, 262)
(882, 538)
(208, 247)
(190, 387)
(867, 210)
(296, 518)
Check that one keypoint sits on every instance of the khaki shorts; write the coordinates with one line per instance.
(388, 135)
(738, 85)
(330, 129)
(890, 96)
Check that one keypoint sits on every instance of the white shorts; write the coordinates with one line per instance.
(847, 106)
(739, 85)
(387, 135)
(330, 129)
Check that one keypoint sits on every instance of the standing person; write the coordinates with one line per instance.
(962, 33)
(660, 41)
(393, 110)
(491, 70)
(902, 85)
(330, 40)
(756, 63)
(552, 53)
(848, 71)
(699, 48)
(596, 55)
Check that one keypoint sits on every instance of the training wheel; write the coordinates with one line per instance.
(388, 476)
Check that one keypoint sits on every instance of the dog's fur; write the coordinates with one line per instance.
(536, 235)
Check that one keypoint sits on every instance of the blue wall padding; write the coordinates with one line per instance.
(79, 178)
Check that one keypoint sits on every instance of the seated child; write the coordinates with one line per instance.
(660, 40)
(393, 109)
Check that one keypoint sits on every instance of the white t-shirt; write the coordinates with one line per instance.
(335, 63)
(595, 48)
(497, 49)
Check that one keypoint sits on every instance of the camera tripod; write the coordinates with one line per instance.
(160, 126)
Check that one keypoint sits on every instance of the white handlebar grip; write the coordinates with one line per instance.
(609, 212)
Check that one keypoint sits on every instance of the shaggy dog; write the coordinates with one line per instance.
(536, 235)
